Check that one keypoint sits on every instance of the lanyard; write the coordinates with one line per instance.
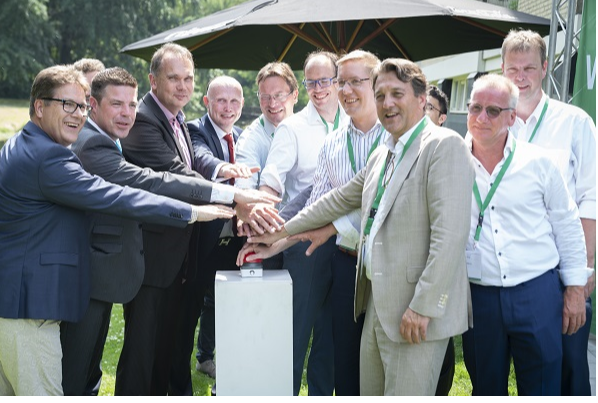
(381, 186)
(478, 198)
(264, 126)
(352, 153)
(539, 121)
(336, 120)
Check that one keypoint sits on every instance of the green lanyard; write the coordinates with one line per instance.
(539, 121)
(352, 153)
(336, 120)
(381, 186)
(264, 126)
(478, 198)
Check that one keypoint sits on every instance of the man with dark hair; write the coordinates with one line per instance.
(45, 266)
(436, 105)
(414, 195)
(159, 139)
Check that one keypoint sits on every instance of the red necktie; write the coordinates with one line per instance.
(231, 152)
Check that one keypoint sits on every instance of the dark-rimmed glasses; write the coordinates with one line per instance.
(430, 108)
(492, 111)
(322, 82)
(280, 97)
(70, 106)
(353, 83)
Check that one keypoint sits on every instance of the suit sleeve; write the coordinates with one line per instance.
(147, 145)
(449, 187)
(99, 157)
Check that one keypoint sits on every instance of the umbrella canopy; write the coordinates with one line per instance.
(251, 34)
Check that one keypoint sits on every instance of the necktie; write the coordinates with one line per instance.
(179, 134)
(231, 152)
(117, 142)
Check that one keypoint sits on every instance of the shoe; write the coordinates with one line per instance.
(213, 391)
(207, 367)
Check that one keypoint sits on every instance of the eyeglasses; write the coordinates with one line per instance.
(70, 106)
(322, 82)
(280, 97)
(353, 83)
(430, 108)
(492, 111)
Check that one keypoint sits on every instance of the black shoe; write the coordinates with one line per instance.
(213, 391)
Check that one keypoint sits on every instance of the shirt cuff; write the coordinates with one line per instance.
(587, 209)
(217, 170)
(349, 236)
(223, 194)
(575, 277)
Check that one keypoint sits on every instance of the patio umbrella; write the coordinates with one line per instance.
(251, 34)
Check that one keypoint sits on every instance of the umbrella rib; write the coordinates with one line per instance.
(326, 37)
(306, 37)
(376, 32)
(208, 40)
(289, 44)
(396, 43)
(481, 26)
(354, 35)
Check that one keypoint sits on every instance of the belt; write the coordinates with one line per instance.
(348, 251)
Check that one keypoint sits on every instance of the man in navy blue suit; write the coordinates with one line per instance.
(213, 137)
(45, 265)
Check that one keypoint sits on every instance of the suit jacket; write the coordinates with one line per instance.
(208, 154)
(418, 255)
(117, 266)
(44, 232)
(151, 143)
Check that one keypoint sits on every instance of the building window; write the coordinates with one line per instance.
(459, 95)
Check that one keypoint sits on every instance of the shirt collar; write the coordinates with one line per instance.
(535, 116)
(375, 129)
(508, 145)
(394, 148)
(169, 115)
(98, 128)
(219, 132)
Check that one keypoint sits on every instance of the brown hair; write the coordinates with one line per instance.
(524, 41)
(278, 69)
(49, 79)
(169, 49)
(111, 76)
(406, 71)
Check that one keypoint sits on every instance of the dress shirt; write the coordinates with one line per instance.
(334, 170)
(531, 223)
(175, 123)
(396, 150)
(570, 134)
(253, 146)
(99, 129)
(294, 152)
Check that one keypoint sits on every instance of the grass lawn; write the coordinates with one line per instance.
(13, 116)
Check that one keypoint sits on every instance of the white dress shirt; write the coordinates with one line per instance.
(531, 224)
(396, 150)
(252, 149)
(294, 152)
(570, 134)
(334, 170)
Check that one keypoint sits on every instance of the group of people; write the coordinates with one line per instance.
(412, 233)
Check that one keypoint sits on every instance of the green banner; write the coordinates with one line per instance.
(584, 89)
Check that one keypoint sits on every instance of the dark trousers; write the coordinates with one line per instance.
(82, 348)
(523, 322)
(447, 371)
(575, 380)
(222, 257)
(346, 332)
(150, 328)
(312, 310)
(206, 338)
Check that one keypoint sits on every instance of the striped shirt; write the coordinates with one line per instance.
(335, 169)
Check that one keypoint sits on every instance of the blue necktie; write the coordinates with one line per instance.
(117, 142)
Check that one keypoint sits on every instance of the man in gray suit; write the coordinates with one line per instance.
(414, 193)
(117, 266)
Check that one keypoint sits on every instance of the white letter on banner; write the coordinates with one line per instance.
(591, 72)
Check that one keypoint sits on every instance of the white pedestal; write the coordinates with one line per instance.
(254, 334)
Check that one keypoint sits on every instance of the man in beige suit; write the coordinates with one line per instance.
(411, 280)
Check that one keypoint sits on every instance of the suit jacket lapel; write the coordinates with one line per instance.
(400, 175)
(213, 137)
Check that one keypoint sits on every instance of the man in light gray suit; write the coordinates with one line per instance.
(117, 255)
(415, 196)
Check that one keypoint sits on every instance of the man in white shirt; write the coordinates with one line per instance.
(570, 136)
(524, 226)
(289, 170)
(278, 91)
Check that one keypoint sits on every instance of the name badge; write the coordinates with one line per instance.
(473, 258)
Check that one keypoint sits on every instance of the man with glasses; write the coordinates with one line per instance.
(289, 170)
(44, 230)
(436, 105)
(525, 233)
(568, 133)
